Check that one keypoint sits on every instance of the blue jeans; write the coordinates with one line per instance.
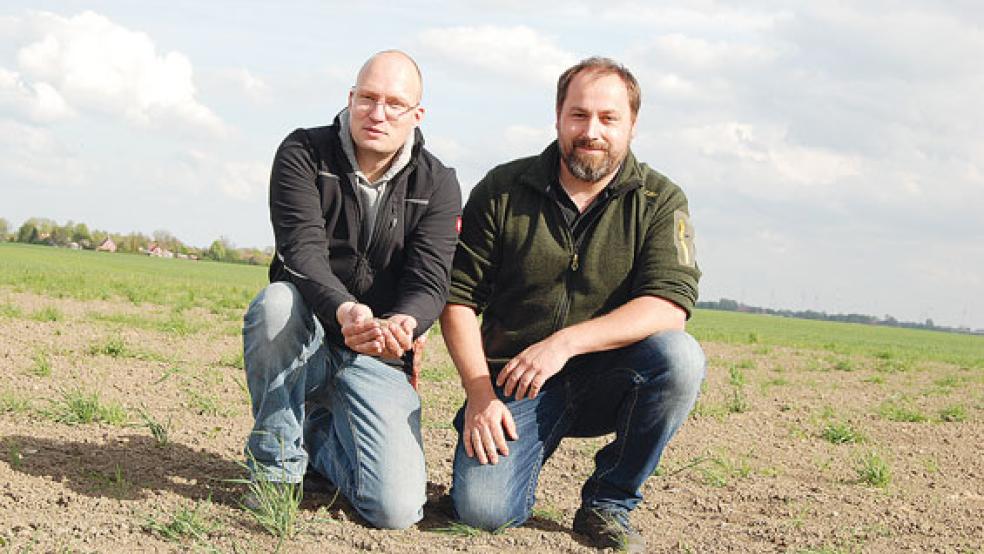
(642, 393)
(349, 417)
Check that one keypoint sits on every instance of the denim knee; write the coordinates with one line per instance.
(681, 357)
(484, 508)
(393, 509)
(277, 328)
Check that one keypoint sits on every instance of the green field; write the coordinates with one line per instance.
(221, 288)
(891, 344)
(88, 275)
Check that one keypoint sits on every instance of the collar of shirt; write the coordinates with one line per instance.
(400, 161)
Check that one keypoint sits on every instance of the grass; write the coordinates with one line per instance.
(873, 470)
(42, 365)
(233, 359)
(458, 529)
(895, 349)
(76, 407)
(548, 512)
(15, 456)
(899, 411)
(113, 347)
(47, 314)
(9, 310)
(953, 414)
(87, 275)
(205, 404)
(276, 505)
(172, 324)
(184, 524)
(160, 431)
(12, 403)
(841, 433)
(115, 483)
(737, 403)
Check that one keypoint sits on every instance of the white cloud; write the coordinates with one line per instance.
(39, 102)
(91, 63)
(35, 155)
(697, 54)
(245, 181)
(768, 150)
(254, 88)
(715, 17)
(519, 52)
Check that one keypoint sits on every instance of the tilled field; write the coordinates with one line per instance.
(789, 450)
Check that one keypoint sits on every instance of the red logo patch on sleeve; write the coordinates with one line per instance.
(457, 225)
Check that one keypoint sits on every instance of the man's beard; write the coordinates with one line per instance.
(588, 168)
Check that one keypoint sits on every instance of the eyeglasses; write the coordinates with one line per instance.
(363, 104)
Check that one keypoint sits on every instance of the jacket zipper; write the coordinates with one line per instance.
(387, 216)
(575, 262)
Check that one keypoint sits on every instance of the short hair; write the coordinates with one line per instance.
(603, 66)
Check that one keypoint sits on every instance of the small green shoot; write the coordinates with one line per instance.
(184, 524)
(841, 433)
(42, 365)
(114, 348)
(11, 403)
(900, 412)
(953, 414)
(458, 529)
(873, 470)
(158, 430)
(46, 314)
(77, 407)
(738, 404)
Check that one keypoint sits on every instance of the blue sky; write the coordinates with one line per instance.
(832, 152)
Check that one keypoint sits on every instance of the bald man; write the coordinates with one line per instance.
(365, 220)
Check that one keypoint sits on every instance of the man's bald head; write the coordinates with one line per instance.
(394, 62)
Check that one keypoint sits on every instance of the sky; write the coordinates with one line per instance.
(832, 152)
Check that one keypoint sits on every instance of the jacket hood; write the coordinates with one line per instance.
(418, 136)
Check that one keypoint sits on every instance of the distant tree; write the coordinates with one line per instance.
(132, 242)
(28, 232)
(62, 235)
(168, 241)
(81, 235)
(98, 237)
(218, 250)
(4, 229)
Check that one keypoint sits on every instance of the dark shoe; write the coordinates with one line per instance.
(315, 483)
(608, 529)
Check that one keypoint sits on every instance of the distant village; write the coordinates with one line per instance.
(161, 244)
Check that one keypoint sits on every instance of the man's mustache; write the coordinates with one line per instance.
(590, 143)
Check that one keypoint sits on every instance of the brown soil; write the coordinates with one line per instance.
(758, 480)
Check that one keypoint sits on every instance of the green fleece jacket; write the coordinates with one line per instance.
(518, 264)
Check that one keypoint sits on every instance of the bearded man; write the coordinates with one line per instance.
(581, 262)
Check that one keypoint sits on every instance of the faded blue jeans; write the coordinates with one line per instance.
(350, 417)
(642, 393)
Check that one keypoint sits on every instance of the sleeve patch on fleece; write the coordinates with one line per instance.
(683, 239)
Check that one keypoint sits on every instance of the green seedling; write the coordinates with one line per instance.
(873, 470)
(841, 433)
(76, 407)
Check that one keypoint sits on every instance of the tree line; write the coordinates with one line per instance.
(39, 230)
(729, 305)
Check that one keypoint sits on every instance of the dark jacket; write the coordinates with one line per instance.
(518, 264)
(315, 212)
